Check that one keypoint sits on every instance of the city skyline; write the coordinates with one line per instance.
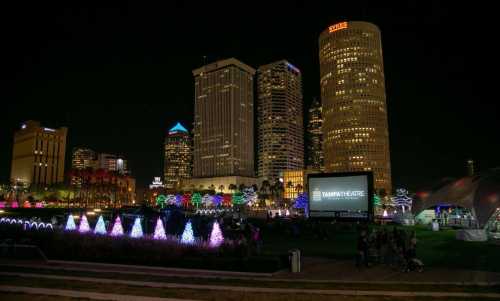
(417, 102)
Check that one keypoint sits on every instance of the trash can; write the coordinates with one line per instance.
(294, 259)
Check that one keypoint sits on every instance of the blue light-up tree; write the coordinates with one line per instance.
(136, 229)
(70, 224)
(187, 237)
(100, 227)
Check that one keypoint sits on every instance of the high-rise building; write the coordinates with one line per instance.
(223, 121)
(355, 128)
(315, 157)
(111, 162)
(82, 158)
(38, 154)
(178, 156)
(280, 122)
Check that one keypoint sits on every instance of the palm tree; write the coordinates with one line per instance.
(241, 187)
(299, 188)
(265, 187)
(232, 187)
(277, 190)
(221, 188)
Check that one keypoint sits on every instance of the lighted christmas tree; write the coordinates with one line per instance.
(216, 237)
(117, 229)
(226, 200)
(376, 200)
(136, 229)
(238, 198)
(250, 196)
(70, 224)
(178, 200)
(207, 200)
(217, 200)
(402, 200)
(186, 199)
(160, 200)
(159, 230)
(301, 202)
(100, 227)
(187, 237)
(171, 199)
(196, 199)
(84, 225)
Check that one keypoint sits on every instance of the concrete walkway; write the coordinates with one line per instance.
(80, 294)
(248, 289)
(337, 270)
(315, 271)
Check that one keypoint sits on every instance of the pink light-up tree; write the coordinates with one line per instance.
(117, 229)
(84, 225)
(216, 237)
(159, 230)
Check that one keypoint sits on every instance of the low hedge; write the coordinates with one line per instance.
(60, 245)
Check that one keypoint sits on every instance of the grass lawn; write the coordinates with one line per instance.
(435, 249)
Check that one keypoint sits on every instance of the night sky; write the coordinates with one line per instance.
(119, 74)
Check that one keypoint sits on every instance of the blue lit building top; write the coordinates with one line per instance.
(292, 67)
(178, 128)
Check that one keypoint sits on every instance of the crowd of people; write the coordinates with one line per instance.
(396, 248)
(247, 237)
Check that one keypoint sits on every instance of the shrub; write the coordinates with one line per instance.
(62, 245)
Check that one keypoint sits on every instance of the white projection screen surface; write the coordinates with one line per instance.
(340, 195)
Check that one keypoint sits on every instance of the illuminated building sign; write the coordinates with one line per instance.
(338, 26)
(156, 183)
(337, 195)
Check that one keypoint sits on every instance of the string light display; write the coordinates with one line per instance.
(216, 237)
(84, 225)
(159, 230)
(70, 223)
(117, 229)
(100, 227)
(187, 237)
(136, 229)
